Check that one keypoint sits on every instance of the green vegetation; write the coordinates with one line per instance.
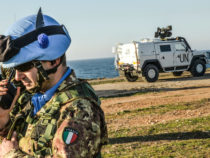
(192, 148)
(178, 127)
(181, 137)
(159, 110)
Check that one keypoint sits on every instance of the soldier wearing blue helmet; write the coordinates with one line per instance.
(63, 117)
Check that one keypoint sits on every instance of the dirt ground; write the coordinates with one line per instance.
(167, 90)
(137, 113)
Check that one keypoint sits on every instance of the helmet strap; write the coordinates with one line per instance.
(42, 75)
(53, 70)
(41, 70)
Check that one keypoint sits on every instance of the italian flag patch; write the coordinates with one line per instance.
(69, 135)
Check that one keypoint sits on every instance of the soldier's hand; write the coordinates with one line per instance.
(4, 113)
(3, 88)
(8, 145)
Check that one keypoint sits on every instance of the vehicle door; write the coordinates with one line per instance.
(181, 56)
(164, 53)
(127, 54)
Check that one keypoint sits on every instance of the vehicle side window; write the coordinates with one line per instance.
(179, 47)
(165, 48)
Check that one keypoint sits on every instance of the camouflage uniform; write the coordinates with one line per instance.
(4, 131)
(24, 98)
(71, 124)
(5, 73)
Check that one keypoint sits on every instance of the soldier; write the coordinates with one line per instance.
(63, 117)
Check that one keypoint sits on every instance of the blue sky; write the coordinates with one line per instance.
(96, 26)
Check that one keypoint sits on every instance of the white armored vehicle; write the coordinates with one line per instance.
(162, 54)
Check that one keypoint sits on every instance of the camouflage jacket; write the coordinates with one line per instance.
(26, 96)
(71, 124)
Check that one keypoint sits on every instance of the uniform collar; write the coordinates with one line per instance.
(39, 99)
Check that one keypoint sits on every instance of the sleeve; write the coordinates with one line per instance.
(82, 131)
(5, 130)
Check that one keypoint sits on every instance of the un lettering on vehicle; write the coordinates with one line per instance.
(183, 58)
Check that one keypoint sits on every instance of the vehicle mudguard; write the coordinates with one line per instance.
(153, 61)
(201, 57)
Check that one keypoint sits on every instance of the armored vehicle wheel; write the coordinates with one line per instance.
(151, 73)
(198, 68)
(130, 76)
(178, 73)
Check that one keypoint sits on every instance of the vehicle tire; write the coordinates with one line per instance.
(198, 68)
(151, 73)
(130, 76)
(178, 73)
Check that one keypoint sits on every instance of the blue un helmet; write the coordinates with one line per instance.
(33, 38)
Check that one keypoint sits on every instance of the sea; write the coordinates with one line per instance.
(94, 68)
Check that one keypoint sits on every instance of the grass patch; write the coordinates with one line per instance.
(188, 138)
(192, 148)
(161, 109)
(177, 138)
(175, 126)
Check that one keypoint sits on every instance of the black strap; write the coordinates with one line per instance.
(42, 71)
(53, 70)
(32, 36)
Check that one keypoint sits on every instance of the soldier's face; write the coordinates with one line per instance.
(28, 78)
(28, 75)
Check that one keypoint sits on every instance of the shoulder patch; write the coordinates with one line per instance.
(69, 135)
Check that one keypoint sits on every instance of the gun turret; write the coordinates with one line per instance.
(163, 32)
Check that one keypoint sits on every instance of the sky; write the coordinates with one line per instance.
(95, 26)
